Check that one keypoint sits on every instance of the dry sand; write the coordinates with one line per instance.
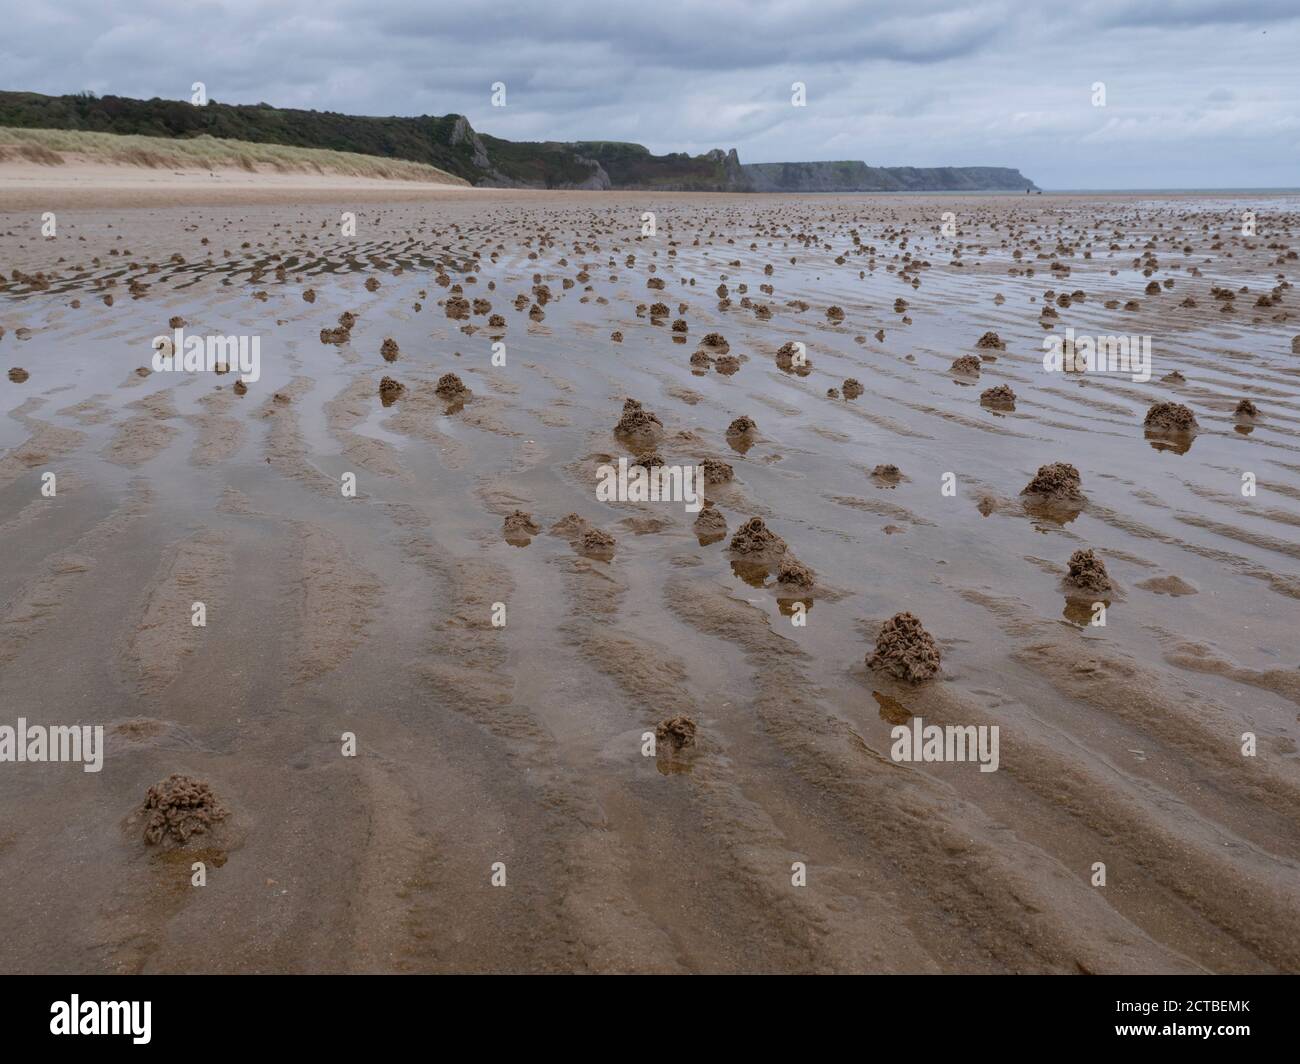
(521, 744)
(82, 182)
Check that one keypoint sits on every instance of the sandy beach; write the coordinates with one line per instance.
(83, 183)
(498, 642)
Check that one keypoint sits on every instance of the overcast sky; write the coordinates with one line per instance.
(1199, 93)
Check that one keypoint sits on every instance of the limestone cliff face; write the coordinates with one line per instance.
(616, 165)
(734, 173)
(463, 133)
(848, 176)
(598, 181)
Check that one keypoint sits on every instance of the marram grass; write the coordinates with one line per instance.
(48, 146)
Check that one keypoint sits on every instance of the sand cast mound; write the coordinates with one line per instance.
(793, 575)
(451, 386)
(636, 421)
(597, 544)
(717, 471)
(1059, 480)
(1170, 417)
(710, 526)
(571, 526)
(754, 537)
(677, 732)
(904, 649)
(180, 807)
(1000, 396)
(647, 460)
(1088, 572)
(520, 525)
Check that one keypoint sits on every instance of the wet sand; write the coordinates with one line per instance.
(521, 744)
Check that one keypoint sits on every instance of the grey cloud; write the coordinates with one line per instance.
(922, 82)
(1187, 13)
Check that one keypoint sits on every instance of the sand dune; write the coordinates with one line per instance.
(43, 169)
